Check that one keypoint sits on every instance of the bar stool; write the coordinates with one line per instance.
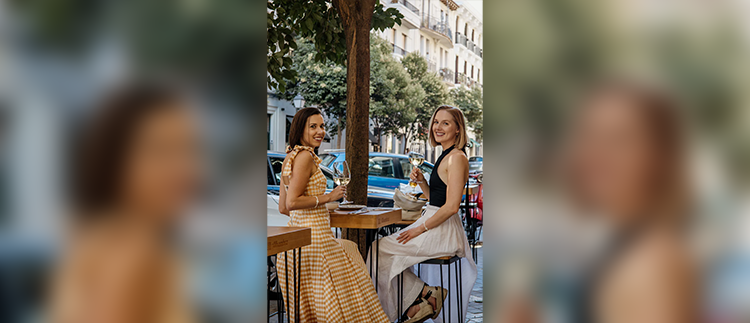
(447, 260)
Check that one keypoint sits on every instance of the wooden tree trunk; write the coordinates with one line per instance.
(341, 132)
(356, 16)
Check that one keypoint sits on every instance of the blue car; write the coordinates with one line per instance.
(386, 171)
(376, 196)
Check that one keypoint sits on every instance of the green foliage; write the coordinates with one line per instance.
(322, 84)
(316, 20)
(470, 101)
(436, 93)
(393, 93)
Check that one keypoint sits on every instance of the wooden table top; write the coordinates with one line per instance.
(472, 189)
(281, 239)
(373, 219)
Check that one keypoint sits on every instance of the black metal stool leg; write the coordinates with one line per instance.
(441, 286)
(268, 291)
(377, 262)
(294, 282)
(449, 294)
(286, 279)
(460, 295)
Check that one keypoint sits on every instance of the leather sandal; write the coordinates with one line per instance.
(440, 294)
(425, 312)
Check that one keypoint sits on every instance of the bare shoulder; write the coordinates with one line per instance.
(658, 279)
(659, 262)
(303, 160)
(458, 157)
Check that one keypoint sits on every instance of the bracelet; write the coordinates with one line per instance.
(317, 201)
(424, 224)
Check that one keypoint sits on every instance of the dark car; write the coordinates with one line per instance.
(386, 171)
(376, 196)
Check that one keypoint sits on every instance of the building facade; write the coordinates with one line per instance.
(447, 34)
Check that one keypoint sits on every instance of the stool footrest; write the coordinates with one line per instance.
(441, 260)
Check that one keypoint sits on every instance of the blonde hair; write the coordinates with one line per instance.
(462, 139)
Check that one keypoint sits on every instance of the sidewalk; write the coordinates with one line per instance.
(476, 307)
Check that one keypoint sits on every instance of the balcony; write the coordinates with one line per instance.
(474, 48)
(398, 50)
(438, 27)
(448, 75)
(432, 67)
(409, 10)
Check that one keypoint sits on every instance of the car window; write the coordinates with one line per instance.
(277, 164)
(329, 178)
(327, 159)
(271, 180)
(381, 166)
(405, 166)
(425, 168)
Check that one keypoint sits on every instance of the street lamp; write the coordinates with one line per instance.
(299, 102)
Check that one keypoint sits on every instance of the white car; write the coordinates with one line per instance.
(275, 218)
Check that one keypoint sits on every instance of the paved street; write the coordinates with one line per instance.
(474, 314)
(475, 300)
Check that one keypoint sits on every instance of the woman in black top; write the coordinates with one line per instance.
(438, 233)
(626, 166)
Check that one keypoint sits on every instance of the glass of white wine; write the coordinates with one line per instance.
(342, 176)
(416, 159)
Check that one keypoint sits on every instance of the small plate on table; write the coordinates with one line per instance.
(351, 207)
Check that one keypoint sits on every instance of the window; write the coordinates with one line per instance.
(381, 166)
(421, 45)
(404, 40)
(271, 179)
(405, 166)
(327, 159)
(394, 36)
(277, 164)
(329, 178)
(472, 71)
(478, 70)
(268, 130)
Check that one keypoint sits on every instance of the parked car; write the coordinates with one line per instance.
(476, 167)
(386, 170)
(376, 196)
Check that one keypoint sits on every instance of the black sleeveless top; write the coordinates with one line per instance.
(438, 189)
(583, 310)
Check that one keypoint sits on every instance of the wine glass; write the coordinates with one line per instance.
(416, 159)
(342, 176)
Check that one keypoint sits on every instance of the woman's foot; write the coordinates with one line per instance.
(435, 296)
(419, 312)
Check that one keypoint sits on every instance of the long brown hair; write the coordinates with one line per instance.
(663, 115)
(299, 124)
(462, 139)
(106, 140)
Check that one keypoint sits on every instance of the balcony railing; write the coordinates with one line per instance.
(437, 25)
(408, 5)
(463, 40)
(398, 50)
(432, 67)
(448, 75)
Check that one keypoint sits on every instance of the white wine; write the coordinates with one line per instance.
(341, 180)
(412, 184)
(416, 161)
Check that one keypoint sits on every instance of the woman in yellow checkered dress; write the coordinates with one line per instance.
(334, 283)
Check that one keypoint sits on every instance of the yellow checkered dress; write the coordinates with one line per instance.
(334, 284)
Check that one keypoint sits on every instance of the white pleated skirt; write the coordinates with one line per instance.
(446, 240)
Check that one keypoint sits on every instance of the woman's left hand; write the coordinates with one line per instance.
(407, 235)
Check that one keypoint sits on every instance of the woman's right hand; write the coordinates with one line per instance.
(337, 193)
(416, 175)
